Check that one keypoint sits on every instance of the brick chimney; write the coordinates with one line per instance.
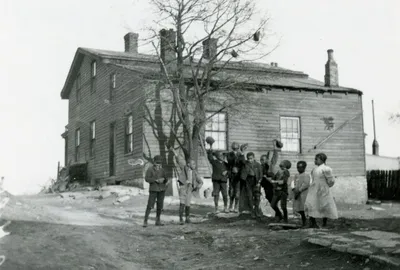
(210, 48)
(167, 47)
(331, 71)
(131, 42)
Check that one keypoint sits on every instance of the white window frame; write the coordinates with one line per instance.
(290, 136)
(93, 71)
(92, 138)
(217, 127)
(129, 134)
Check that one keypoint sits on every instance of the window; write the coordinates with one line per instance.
(78, 84)
(94, 69)
(113, 85)
(216, 128)
(77, 143)
(290, 134)
(93, 77)
(129, 134)
(92, 138)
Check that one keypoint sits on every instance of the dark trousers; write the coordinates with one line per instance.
(268, 189)
(220, 186)
(153, 197)
(234, 187)
(280, 195)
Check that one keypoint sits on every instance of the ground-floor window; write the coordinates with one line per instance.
(216, 128)
(290, 134)
(77, 143)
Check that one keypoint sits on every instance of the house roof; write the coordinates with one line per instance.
(262, 80)
(261, 74)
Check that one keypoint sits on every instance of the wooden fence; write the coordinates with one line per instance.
(383, 185)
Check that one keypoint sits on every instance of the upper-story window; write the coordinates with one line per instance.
(93, 74)
(113, 85)
(94, 69)
(216, 128)
(290, 134)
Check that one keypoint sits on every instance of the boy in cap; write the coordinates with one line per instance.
(235, 160)
(188, 181)
(219, 177)
(280, 182)
(156, 177)
(251, 177)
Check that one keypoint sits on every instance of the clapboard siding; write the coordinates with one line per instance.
(259, 124)
(344, 148)
(95, 106)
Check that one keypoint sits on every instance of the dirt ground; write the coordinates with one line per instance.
(50, 232)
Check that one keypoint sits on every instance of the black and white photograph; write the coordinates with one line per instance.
(199, 134)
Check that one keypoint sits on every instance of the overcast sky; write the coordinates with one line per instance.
(39, 38)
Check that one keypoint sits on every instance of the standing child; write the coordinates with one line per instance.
(219, 178)
(157, 179)
(250, 176)
(280, 182)
(188, 182)
(235, 160)
(300, 188)
(320, 202)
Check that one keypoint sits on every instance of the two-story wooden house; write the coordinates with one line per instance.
(108, 93)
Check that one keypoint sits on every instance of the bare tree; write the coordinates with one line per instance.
(204, 71)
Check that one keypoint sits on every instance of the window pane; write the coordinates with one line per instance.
(130, 124)
(295, 126)
(94, 69)
(289, 125)
(283, 125)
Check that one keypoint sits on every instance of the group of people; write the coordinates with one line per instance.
(240, 178)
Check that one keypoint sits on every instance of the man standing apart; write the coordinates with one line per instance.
(155, 176)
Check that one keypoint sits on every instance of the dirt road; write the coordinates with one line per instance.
(48, 232)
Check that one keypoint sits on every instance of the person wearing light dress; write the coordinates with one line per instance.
(319, 202)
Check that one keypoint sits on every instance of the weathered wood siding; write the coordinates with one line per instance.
(345, 149)
(96, 107)
(259, 124)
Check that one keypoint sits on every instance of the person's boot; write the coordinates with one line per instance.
(181, 210)
(226, 210)
(216, 204)
(146, 217)
(231, 206)
(324, 222)
(187, 213)
(313, 223)
(158, 218)
(285, 216)
(236, 206)
(303, 218)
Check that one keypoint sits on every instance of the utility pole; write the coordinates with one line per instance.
(375, 145)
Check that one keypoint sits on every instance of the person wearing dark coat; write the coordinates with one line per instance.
(156, 177)
(219, 178)
(250, 176)
(235, 160)
(280, 182)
